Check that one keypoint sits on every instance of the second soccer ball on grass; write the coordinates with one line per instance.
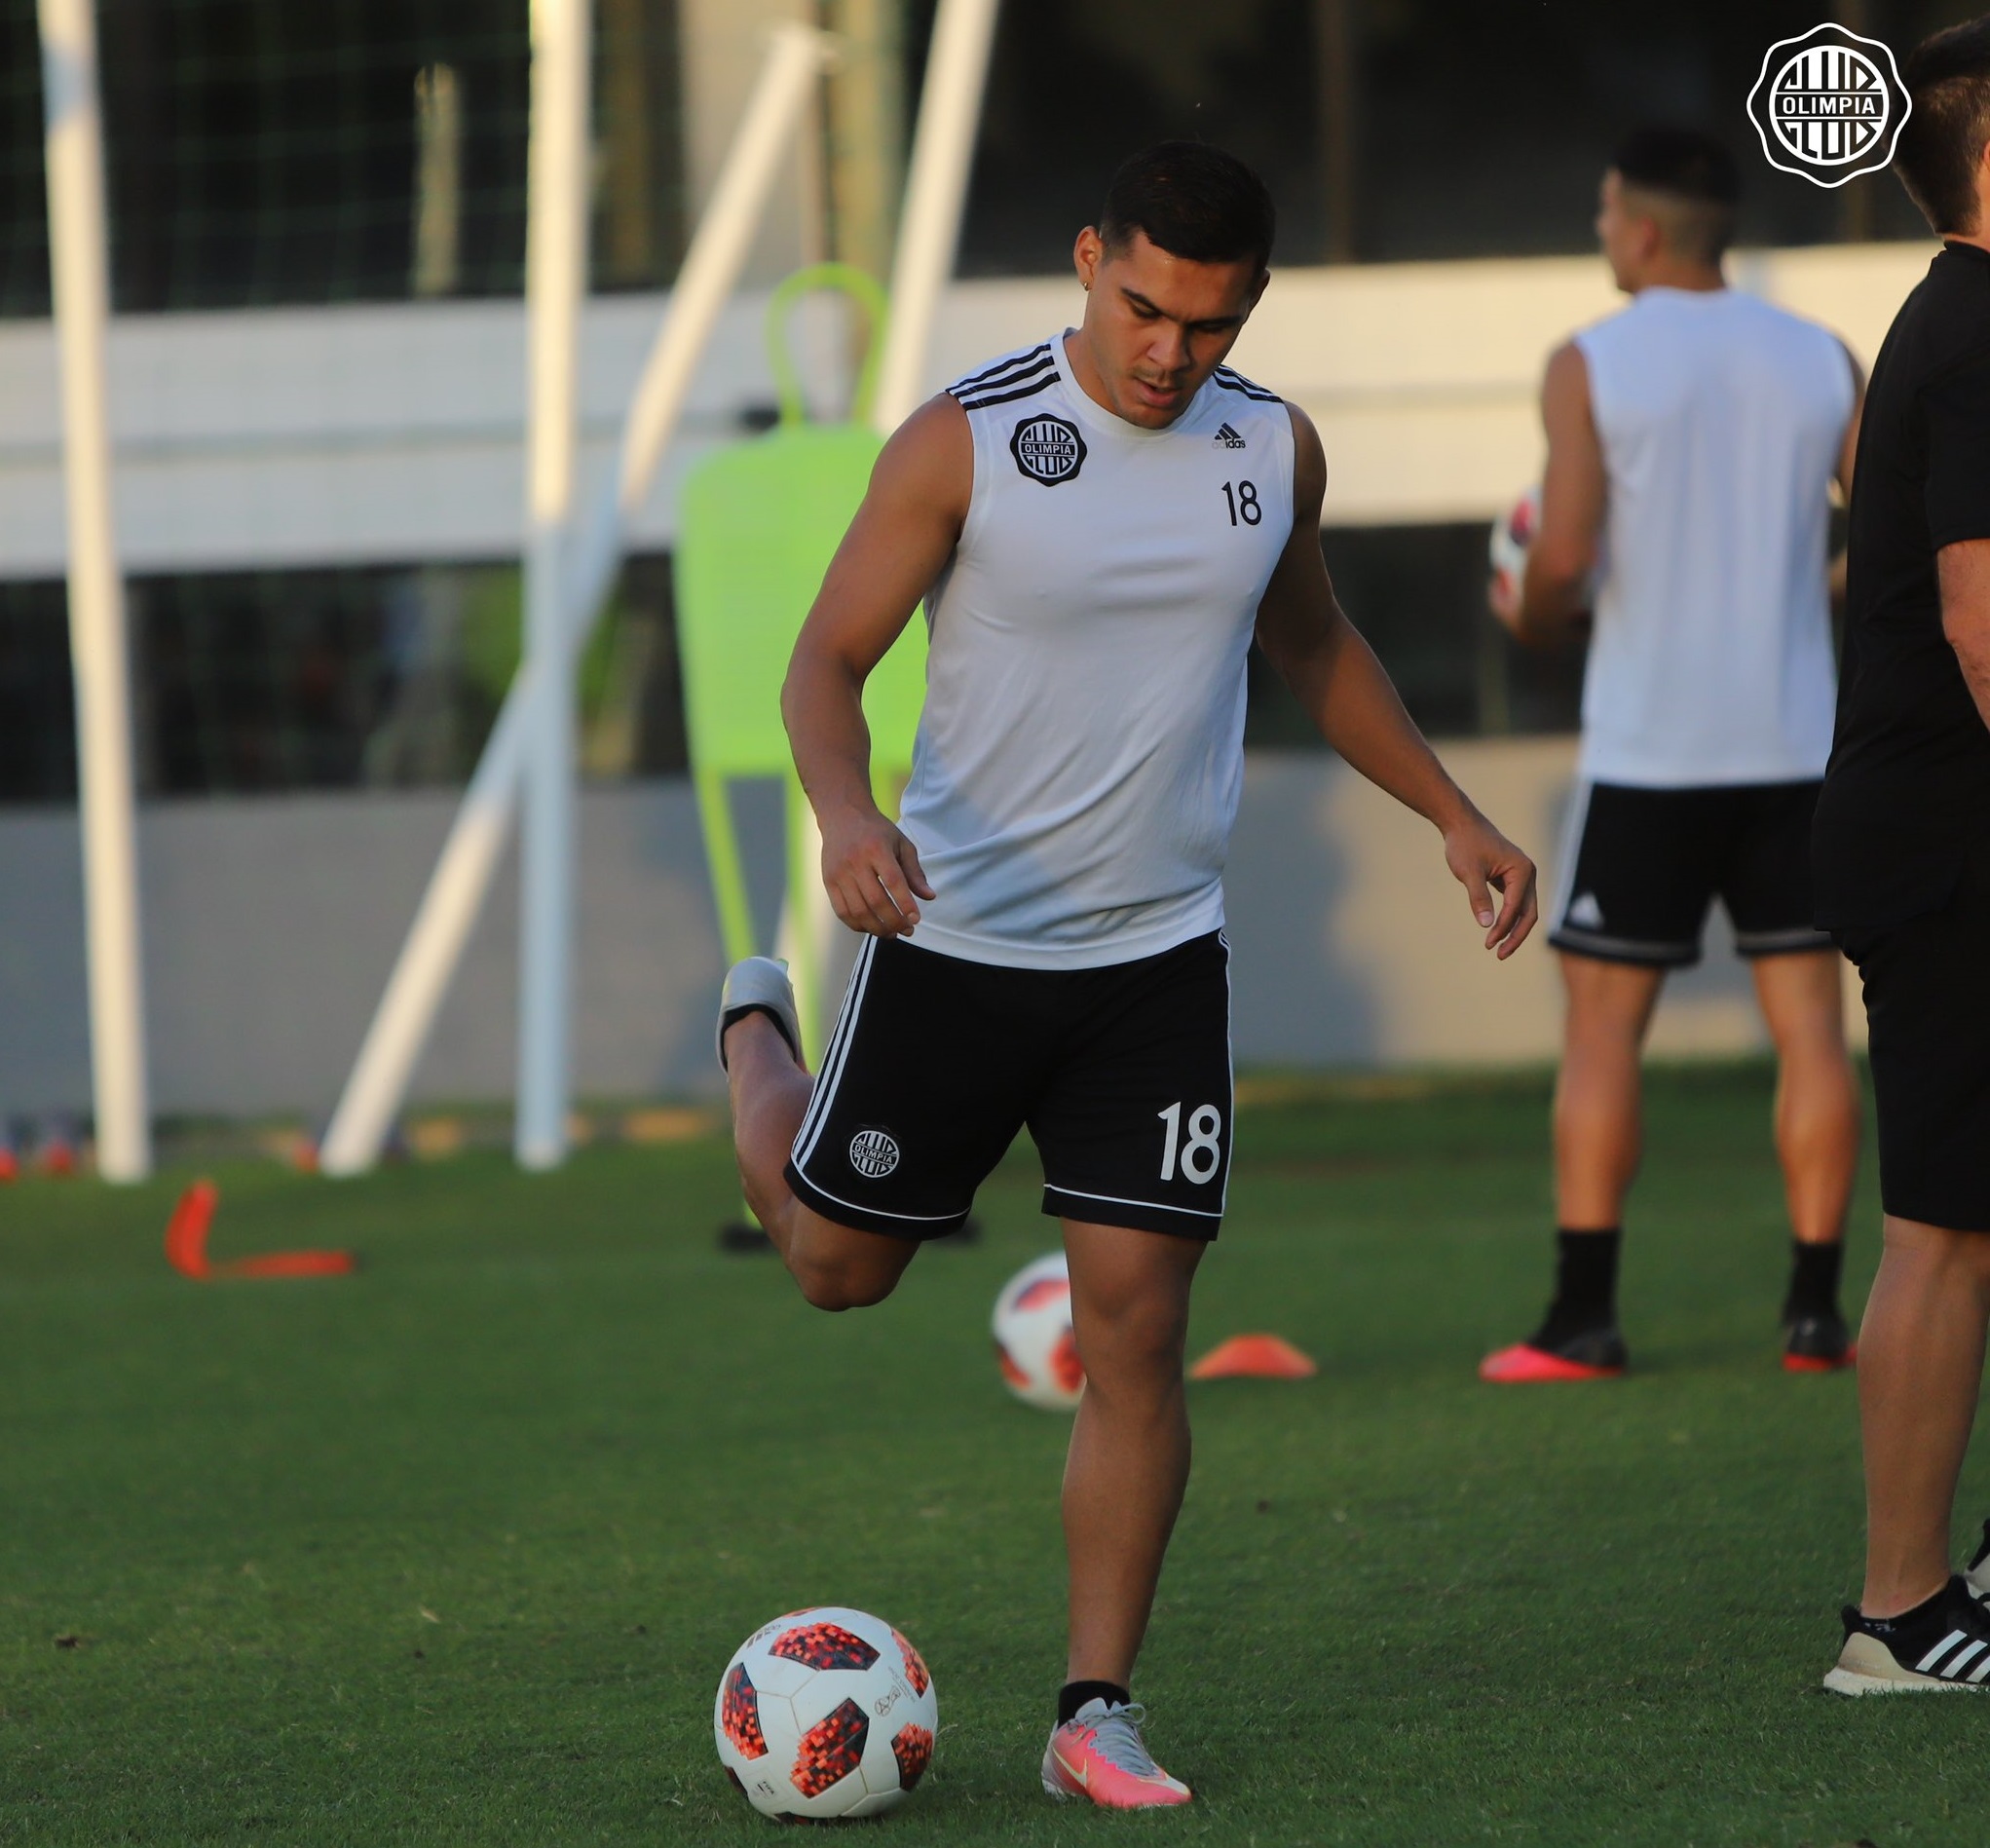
(1034, 1346)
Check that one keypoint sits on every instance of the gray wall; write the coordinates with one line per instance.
(271, 924)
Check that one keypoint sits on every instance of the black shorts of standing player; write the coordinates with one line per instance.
(1640, 867)
(1121, 1074)
(1928, 1007)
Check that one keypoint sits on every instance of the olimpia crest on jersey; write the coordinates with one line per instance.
(1048, 449)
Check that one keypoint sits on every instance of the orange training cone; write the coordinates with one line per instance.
(1254, 1357)
(186, 1246)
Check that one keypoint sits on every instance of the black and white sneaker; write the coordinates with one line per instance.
(1817, 1343)
(1939, 1647)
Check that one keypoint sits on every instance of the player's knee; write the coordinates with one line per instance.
(836, 1287)
(1137, 1344)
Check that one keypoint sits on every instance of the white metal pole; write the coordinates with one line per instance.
(435, 941)
(469, 860)
(935, 192)
(795, 57)
(79, 262)
(555, 279)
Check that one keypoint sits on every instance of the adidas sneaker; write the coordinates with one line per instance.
(1939, 1647)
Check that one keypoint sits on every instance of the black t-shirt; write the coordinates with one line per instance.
(1906, 799)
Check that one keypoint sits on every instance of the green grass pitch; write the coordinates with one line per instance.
(454, 1551)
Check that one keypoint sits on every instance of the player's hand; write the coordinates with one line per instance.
(873, 876)
(1485, 861)
(1503, 599)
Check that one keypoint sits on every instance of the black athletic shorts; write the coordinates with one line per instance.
(1640, 868)
(1928, 1008)
(1122, 1075)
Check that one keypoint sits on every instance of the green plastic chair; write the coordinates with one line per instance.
(758, 524)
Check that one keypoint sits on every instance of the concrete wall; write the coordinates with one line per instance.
(271, 925)
(393, 433)
(723, 44)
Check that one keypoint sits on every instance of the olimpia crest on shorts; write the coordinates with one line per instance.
(1829, 105)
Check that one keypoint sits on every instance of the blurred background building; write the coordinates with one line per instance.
(317, 388)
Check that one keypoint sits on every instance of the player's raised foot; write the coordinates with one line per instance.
(1939, 1647)
(1099, 1754)
(1818, 1344)
(760, 985)
(1596, 1352)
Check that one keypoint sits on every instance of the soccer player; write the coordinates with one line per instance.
(1903, 879)
(1693, 439)
(1099, 525)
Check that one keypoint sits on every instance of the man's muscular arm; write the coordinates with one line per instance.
(1965, 575)
(1321, 656)
(900, 540)
(1554, 596)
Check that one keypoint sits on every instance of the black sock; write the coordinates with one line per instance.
(1074, 1694)
(1585, 1284)
(1814, 1279)
(1906, 1619)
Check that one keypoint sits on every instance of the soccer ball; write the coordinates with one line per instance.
(1034, 1346)
(1512, 539)
(825, 1712)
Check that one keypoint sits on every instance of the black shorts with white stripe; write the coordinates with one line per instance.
(1121, 1074)
(1641, 867)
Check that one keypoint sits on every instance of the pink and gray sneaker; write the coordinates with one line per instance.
(1099, 1755)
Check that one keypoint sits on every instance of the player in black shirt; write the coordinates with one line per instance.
(1903, 879)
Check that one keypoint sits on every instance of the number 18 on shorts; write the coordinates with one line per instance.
(1121, 1076)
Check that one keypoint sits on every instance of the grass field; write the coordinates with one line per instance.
(454, 1551)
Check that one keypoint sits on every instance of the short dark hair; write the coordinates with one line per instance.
(1948, 78)
(1686, 163)
(1693, 173)
(1192, 200)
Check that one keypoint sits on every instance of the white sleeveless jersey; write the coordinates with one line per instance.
(1081, 751)
(1721, 421)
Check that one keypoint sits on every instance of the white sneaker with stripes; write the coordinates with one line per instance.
(1939, 1647)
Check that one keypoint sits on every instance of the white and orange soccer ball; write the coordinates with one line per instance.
(1512, 537)
(1034, 1346)
(826, 1713)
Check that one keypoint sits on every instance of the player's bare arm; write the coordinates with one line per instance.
(1323, 658)
(1965, 577)
(1848, 450)
(897, 545)
(1848, 461)
(1552, 600)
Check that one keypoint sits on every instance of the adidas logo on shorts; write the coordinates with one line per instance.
(1586, 914)
(1229, 438)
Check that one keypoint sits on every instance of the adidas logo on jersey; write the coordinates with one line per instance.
(1229, 438)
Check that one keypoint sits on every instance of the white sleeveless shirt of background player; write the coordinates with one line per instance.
(1081, 754)
(1721, 420)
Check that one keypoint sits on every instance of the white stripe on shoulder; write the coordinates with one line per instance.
(1009, 368)
(1231, 380)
